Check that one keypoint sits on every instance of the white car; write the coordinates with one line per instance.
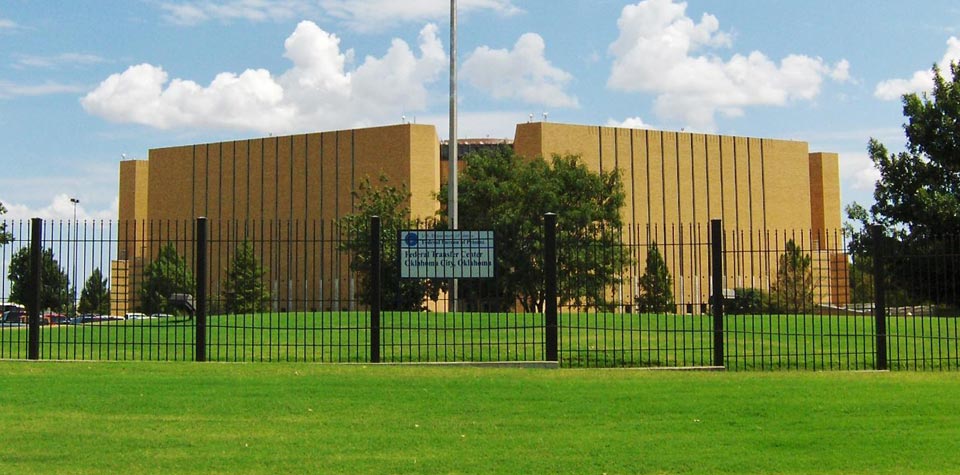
(135, 316)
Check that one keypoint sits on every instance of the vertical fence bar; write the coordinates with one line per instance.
(376, 280)
(879, 296)
(716, 259)
(200, 352)
(550, 285)
(33, 332)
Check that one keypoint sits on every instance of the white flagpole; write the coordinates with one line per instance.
(452, 142)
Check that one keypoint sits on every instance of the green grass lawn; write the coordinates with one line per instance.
(586, 340)
(120, 417)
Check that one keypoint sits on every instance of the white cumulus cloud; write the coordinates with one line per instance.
(920, 81)
(59, 208)
(522, 73)
(318, 91)
(858, 172)
(662, 51)
(630, 123)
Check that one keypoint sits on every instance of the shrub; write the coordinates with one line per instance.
(746, 301)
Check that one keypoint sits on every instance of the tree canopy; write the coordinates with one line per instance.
(917, 198)
(918, 193)
(656, 285)
(509, 194)
(245, 290)
(95, 297)
(54, 283)
(166, 275)
(5, 237)
(387, 202)
(793, 290)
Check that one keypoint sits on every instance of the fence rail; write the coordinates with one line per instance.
(299, 291)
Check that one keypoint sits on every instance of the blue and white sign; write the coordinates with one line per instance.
(446, 254)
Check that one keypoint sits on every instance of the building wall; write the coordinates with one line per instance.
(289, 189)
(133, 211)
(292, 188)
(676, 182)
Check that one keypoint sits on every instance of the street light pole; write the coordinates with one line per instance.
(76, 237)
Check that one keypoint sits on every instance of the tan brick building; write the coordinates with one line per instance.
(292, 188)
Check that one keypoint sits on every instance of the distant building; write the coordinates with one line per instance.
(468, 146)
(275, 188)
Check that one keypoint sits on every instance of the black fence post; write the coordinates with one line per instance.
(879, 297)
(716, 258)
(377, 281)
(200, 352)
(550, 285)
(36, 253)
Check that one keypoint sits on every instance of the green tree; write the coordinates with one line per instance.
(508, 194)
(5, 237)
(917, 198)
(95, 297)
(166, 275)
(793, 290)
(656, 285)
(54, 283)
(388, 202)
(919, 189)
(244, 290)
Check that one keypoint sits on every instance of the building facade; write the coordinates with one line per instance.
(291, 189)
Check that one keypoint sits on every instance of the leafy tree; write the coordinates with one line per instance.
(245, 291)
(793, 290)
(54, 283)
(386, 201)
(917, 198)
(5, 237)
(919, 189)
(166, 275)
(509, 194)
(656, 285)
(95, 297)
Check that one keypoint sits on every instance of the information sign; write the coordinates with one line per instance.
(446, 254)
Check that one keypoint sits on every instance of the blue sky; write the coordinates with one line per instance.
(84, 83)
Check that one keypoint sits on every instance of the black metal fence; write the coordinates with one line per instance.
(308, 291)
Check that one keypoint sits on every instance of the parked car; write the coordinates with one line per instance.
(85, 318)
(135, 316)
(54, 319)
(17, 315)
(12, 306)
(161, 315)
(13, 318)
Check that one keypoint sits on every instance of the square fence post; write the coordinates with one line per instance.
(200, 350)
(550, 285)
(716, 268)
(376, 280)
(36, 279)
(880, 298)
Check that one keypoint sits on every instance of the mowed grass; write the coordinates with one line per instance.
(80, 418)
(586, 339)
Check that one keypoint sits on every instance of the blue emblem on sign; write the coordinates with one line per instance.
(411, 239)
